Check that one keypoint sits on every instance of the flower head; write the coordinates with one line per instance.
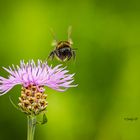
(39, 74)
(33, 78)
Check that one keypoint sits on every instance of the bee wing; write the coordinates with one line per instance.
(69, 34)
(54, 42)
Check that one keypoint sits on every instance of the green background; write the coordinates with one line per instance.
(106, 33)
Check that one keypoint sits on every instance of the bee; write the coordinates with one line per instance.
(63, 50)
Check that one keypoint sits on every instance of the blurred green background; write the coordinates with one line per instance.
(107, 36)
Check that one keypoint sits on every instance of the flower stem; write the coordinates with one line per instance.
(31, 123)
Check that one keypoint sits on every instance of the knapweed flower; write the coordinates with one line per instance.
(33, 78)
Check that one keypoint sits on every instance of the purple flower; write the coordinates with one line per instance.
(39, 74)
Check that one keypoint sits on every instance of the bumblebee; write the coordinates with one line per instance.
(63, 50)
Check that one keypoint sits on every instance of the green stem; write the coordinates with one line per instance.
(31, 123)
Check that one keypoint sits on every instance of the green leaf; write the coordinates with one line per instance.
(44, 120)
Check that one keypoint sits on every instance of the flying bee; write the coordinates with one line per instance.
(63, 49)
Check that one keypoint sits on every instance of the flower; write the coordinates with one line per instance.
(39, 75)
(33, 78)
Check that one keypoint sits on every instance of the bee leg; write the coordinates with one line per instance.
(51, 55)
(69, 56)
(74, 54)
